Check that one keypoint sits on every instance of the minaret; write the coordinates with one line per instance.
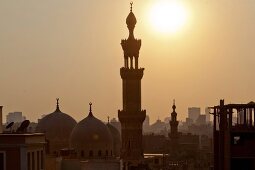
(131, 117)
(173, 135)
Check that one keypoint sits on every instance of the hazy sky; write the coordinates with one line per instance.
(71, 50)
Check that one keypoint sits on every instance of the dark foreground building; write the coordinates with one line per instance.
(234, 141)
(22, 151)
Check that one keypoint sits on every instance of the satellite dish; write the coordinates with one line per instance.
(9, 125)
(23, 126)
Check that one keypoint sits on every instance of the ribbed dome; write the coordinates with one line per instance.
(91, 138)
(57, 127)
(116, 139)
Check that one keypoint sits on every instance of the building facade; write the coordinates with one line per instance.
(22, 151)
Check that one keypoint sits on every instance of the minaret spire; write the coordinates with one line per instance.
(90, 109)
(131, 46)
(57, 107)
(174, 107)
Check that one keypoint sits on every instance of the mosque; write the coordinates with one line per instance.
(77, 143)
(91, 144)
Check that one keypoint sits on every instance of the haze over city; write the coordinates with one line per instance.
(71, 50)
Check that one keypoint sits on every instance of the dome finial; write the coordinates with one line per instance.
(108, 118)
(131, 22)
(90, 109)
(57, 109)
(131, 6)
(174, 107)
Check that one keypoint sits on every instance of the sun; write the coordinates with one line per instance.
(167, 16)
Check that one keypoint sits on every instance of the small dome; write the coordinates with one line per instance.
(116, 139)
(251, 102)
(131, 19)
(57, 127)
(91, 138)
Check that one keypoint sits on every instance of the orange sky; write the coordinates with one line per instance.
(71, 50)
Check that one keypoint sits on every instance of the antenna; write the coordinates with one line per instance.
(23, 126)
(9, 125)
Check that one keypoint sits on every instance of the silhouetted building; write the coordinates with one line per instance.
(155, 144)
(234, 141)
(92, 145)
(158, 127)
(207, 114)
(201, 120)
(131, 116)
(15, 117)
(116, 124)
(146, 124)
(193, 113)
(22, 151)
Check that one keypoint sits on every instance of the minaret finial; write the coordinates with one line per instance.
(174, 107)
(90, 109)
(131, 6)
(57, 109)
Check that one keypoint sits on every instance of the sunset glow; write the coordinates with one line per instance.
(167, 16)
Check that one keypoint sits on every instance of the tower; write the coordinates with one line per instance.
(174, 130)
(131, 117)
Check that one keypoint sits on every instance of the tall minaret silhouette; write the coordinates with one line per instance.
(131, 117)
(174, 135)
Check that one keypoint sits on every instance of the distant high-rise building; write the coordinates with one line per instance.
(201, 120)
(207, 114)
(146, 124)
(131, 116)
(15, 117)
(193, 113)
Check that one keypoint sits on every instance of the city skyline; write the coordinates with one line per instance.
(61, 49)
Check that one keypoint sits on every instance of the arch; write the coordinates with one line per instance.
(82, 153)
(91, 153)
(99, 153)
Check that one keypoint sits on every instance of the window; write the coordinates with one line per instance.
(42, 160)
(236, 140)
(106, 153)
(33, 160)
(2, 160)
(90, 153)
(82, 153)
(99, 153)
(28, 161)
(156, 161)
(38, 159)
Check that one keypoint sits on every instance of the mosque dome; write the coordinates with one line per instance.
(57, 127)
(116, 139)
(91, 138)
